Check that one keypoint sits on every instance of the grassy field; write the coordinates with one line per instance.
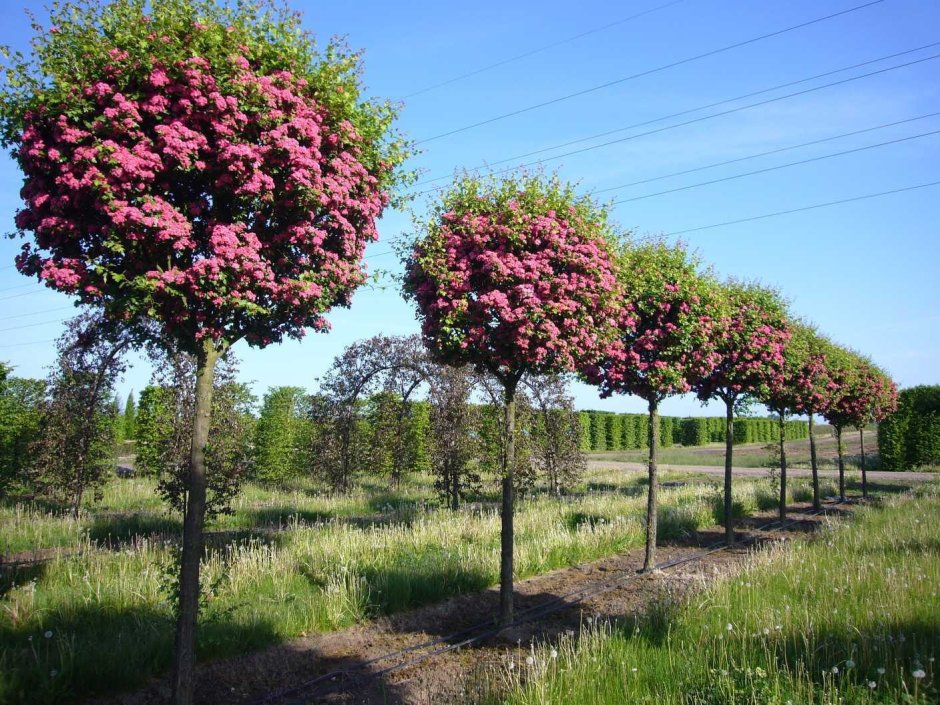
(851, 617)
(100, 620)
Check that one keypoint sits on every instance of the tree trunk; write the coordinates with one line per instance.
(649, 560)
(861, 445)
(812, 458)
(841, 451)
(185, 655)
(729, 445)
(783, 469)
(509, 461)
(455, 489)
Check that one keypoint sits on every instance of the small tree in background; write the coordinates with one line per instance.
(130, 415)
(556, 431)
(21, 404)
(75, 446)
(278, 442)
(663, 344)
(750, 334)
(201, 165)
(164, 431)
(513, 277)
(452, 441)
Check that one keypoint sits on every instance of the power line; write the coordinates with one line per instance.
(688, 111)
(34, 342)
(36, 313)
(804, 208)
(26, 293)
(775, 168)
(31, 325)
(18, 286)
(540, 49)
(767, 153)
(649, 72)
(703, 118)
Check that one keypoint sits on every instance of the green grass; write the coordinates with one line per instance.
(851, 617)
(111, 623)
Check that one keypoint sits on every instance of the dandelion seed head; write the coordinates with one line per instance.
(872, 685)
(850, 664)
(918, 674)
(835, 670)
(48, 634)
(881, 671)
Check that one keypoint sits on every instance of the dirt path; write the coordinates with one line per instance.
(873, 475)
(446, 677)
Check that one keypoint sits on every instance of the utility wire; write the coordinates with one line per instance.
(696, 109)
(649, 72)
(18, 286)
(36, 313)
(540, 49)
(34, 342)
(776, 167)
(706, 117)
(804, 208)
(31, 325)
(766, 154)
(27, 293)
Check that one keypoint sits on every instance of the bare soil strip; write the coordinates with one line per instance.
(447, 677)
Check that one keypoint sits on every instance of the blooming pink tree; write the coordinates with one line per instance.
(802, 390)
(859, 394)
(514, 277)
(203, 167)
(749, 336)
(663, 341)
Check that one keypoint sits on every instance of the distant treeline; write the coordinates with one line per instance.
(605, 430)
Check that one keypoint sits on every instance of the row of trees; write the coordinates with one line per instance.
(521, 277)
(202, 175)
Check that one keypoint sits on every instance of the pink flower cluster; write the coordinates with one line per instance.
(663, 338)
(228, 205)
(513, 289)
(749, 344)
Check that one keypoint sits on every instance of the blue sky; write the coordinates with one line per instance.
(865, 271)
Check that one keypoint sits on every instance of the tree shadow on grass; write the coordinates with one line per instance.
(100, 649)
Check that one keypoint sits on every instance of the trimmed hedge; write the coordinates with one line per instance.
(910, 437)
(604, 430)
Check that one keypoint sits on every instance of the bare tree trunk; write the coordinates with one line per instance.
(185, 655)
(649, 560)
(861, 445)
(813, 463)
(729, 445)
(455, 489)
(506, 549)
(841, 451)
(783, 469)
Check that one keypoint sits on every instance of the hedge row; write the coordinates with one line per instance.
(605, 430)
(910, 437)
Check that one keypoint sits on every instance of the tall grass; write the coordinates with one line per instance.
(849, 618)
(109, 621)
